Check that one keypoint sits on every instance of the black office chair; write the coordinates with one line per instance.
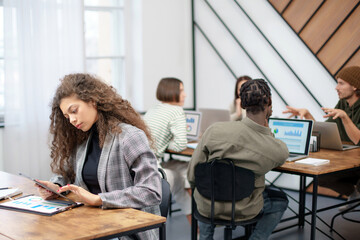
(166, 195)
(171, 210)
(221, 180)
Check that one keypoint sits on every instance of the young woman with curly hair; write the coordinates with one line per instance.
(100, 149)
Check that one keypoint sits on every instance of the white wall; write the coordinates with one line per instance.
(215, 84)
(1, 149)
(158, 45)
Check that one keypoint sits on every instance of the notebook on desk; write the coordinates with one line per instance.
(193, 122)
(330, 136)
(295, 133)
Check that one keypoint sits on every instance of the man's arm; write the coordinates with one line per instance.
(351, 129)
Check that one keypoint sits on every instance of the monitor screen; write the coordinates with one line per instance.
(293, 132)
(192, 123)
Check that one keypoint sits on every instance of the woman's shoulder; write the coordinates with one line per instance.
(128, 128)
(171, 107)
(129, 134)
(166, 110)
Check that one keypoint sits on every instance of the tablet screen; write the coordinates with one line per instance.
(47, 188)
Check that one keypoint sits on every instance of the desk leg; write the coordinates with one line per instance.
(314, 207)
(302, 195)
(162, 230)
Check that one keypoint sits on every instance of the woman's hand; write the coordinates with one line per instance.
(46, 194)
(82, 194)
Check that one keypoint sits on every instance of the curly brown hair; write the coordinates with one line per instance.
(111, 107)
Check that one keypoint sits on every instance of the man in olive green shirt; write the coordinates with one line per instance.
(250, 144)
(346, 114)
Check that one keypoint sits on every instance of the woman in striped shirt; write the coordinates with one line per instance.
(167, 124)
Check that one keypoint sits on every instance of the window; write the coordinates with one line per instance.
(104, 41)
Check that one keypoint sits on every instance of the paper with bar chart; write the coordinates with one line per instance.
(36, 204)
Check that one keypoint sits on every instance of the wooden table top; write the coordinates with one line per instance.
(79, 223)
(339, 160)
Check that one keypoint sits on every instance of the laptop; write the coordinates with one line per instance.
(330, 136)
(295, 133)
(193, 123)
(210, 116)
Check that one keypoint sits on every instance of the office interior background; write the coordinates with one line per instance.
(132, 44)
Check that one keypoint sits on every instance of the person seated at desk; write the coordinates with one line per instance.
(251, 145)
(167, 124)
(236, 112)
(346, 114)
(100, 149)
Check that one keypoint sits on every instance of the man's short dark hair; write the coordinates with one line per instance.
(168, 90)
(255, 95)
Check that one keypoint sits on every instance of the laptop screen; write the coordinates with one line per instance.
(294, 133)
(193, 120)
(210, 116)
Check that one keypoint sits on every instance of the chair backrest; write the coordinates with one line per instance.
(166, 193)
(221, 180)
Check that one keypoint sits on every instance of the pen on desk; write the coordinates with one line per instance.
(3, 188)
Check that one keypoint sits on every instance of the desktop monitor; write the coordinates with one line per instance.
(193, 120)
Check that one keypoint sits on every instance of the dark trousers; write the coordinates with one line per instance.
(342, 183)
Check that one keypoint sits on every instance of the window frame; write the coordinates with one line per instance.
(117, 60)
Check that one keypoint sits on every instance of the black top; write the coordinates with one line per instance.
(91, 164)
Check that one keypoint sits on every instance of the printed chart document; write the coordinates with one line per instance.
(313, 161)
(8, 193)
(35, 204)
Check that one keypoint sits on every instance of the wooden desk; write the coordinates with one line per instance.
(340, 161)
(79, 223)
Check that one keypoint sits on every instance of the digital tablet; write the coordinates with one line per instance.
(47, 188)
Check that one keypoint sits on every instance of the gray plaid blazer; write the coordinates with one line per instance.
(127, 174)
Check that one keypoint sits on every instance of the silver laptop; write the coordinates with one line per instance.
(193, 123)
(210, 116)
(295, 133)
(330, 136)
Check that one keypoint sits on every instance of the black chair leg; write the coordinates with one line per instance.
(227, 233)
(248, 230)
(194, 222)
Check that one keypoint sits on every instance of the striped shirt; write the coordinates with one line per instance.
(167, 125)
